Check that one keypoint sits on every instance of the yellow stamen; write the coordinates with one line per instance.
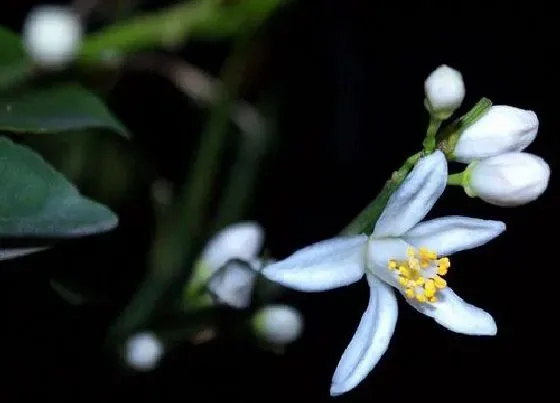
(430, 288)
(420, 274)
(404, 271)
(440, 282)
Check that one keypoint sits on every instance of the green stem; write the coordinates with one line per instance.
(433, 126)
(172, 26)
(245, 169)
(179, 234)
(364, 222)
(167, 27)
(455, 179)
(430, 140)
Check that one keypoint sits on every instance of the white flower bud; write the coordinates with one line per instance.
(52, 35)
(502, 129)
(444, 90)
(237, 241)
(233, 284)
(507, 180)
(143, 351)
(278, 324)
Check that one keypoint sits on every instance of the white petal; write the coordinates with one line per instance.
(379, 252)
(370, 340)
(322, 266)
(415, 197)
(233, 284)
(238, 241)
(458, 316)
(451, 234)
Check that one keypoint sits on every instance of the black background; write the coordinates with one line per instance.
(348, 76)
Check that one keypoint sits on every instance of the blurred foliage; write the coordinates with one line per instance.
(14, 64)
(40, 202)
(57, 108)
(85, 146)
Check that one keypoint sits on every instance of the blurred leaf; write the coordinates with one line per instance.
(37, 201)
(172, 26)
(12, 253)
(61, 107)
(14, 64)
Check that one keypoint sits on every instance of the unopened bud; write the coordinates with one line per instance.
(238, 241)
(278, 324)
(445, 91)
(233, 284)
(508, 180)
(143, 351)
(52, 35)
(501, 130)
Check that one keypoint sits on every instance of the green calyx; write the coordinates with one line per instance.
(448, 137)
(463, 179)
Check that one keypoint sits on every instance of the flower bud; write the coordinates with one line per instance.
(445, 91)
(233, 284)
(278, 324)
(143, 351)
(501, 130)
(52, 35)
(508, 180)
(237, 241)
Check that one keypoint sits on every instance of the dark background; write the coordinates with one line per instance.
(347, 77)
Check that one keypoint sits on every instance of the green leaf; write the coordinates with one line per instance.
(14, 64)
(13, 253)
(61, 107)
(37, 201)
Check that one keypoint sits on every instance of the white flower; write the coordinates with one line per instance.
(233, 284)
(502, 129)
(242, 241)
(229, 261)
(278, 324)
(52, 35)
(444, 90)
(510, 179)
(143, 351)
(401, 254)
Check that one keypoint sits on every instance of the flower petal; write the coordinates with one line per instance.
(380, 252)
(451, 234)
(456, 315)
(242, 240)
(370, 340)
(322, 266)
(233, 284)
(415, 197)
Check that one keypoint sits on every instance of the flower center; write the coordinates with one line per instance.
(421, 274)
